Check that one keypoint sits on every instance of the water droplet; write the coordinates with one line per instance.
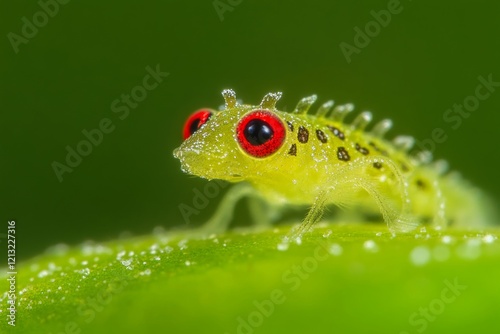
(441, 253)
(85, 272)
(182, 244)
(146, 272)
(446, 239)
(489, 238)
(283, 246)
(420, 255)
(43, 273)
(327, 234)
(158, 230)
(470, 250)
(370, 246)
(335, 249)
(126, 263)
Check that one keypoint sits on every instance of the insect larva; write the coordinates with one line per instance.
(297, 158)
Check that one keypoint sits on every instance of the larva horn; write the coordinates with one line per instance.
(340, 112)
(269, 100)
(362, 120)
(304, 104)
(381, 128)
(404, 143)
(230, 98)
(325, 108)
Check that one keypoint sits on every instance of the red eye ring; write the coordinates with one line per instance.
(260, 133)
(195, 121)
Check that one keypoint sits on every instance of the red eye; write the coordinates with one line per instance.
(195, 121)
(260, 133)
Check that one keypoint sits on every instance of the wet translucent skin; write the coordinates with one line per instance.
(340, 164)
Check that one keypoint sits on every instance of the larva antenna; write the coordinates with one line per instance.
(304, 104)
(381, 128)
(230, 98)
(441, 166)
(325, 108)
(404, 143)
(340, 112)
(362, 120)
(269, 100)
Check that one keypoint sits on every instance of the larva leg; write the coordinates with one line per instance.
(312, 217)
(397, 220)
(263, 214)
(439, 221)
(222, 217)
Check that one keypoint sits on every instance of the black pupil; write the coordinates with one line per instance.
(258, 132)
(194, 126)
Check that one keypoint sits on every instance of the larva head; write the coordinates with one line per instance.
(240, 142)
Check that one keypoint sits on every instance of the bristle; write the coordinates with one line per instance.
(424, 157)
(362, 120)
(229, 98)
(269, 100)
(324, 109)
(441, 166)
(340, 112)
(404, 143)
(381, 128)
(304, 104)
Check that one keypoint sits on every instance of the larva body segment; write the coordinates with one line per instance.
(317, 160)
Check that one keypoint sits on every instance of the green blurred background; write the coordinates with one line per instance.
(64, 79)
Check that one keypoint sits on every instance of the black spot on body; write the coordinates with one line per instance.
(339, 134)
(404, 167)
(377, 165)
(303, 135)
(362, 150)
(421, 184)
(342, 154)
(293, 150)
(321, 136)
(290, 125)
(378, 149)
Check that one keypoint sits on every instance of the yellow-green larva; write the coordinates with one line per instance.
(295, 158)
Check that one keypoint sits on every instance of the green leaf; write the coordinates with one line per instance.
(337, 279)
